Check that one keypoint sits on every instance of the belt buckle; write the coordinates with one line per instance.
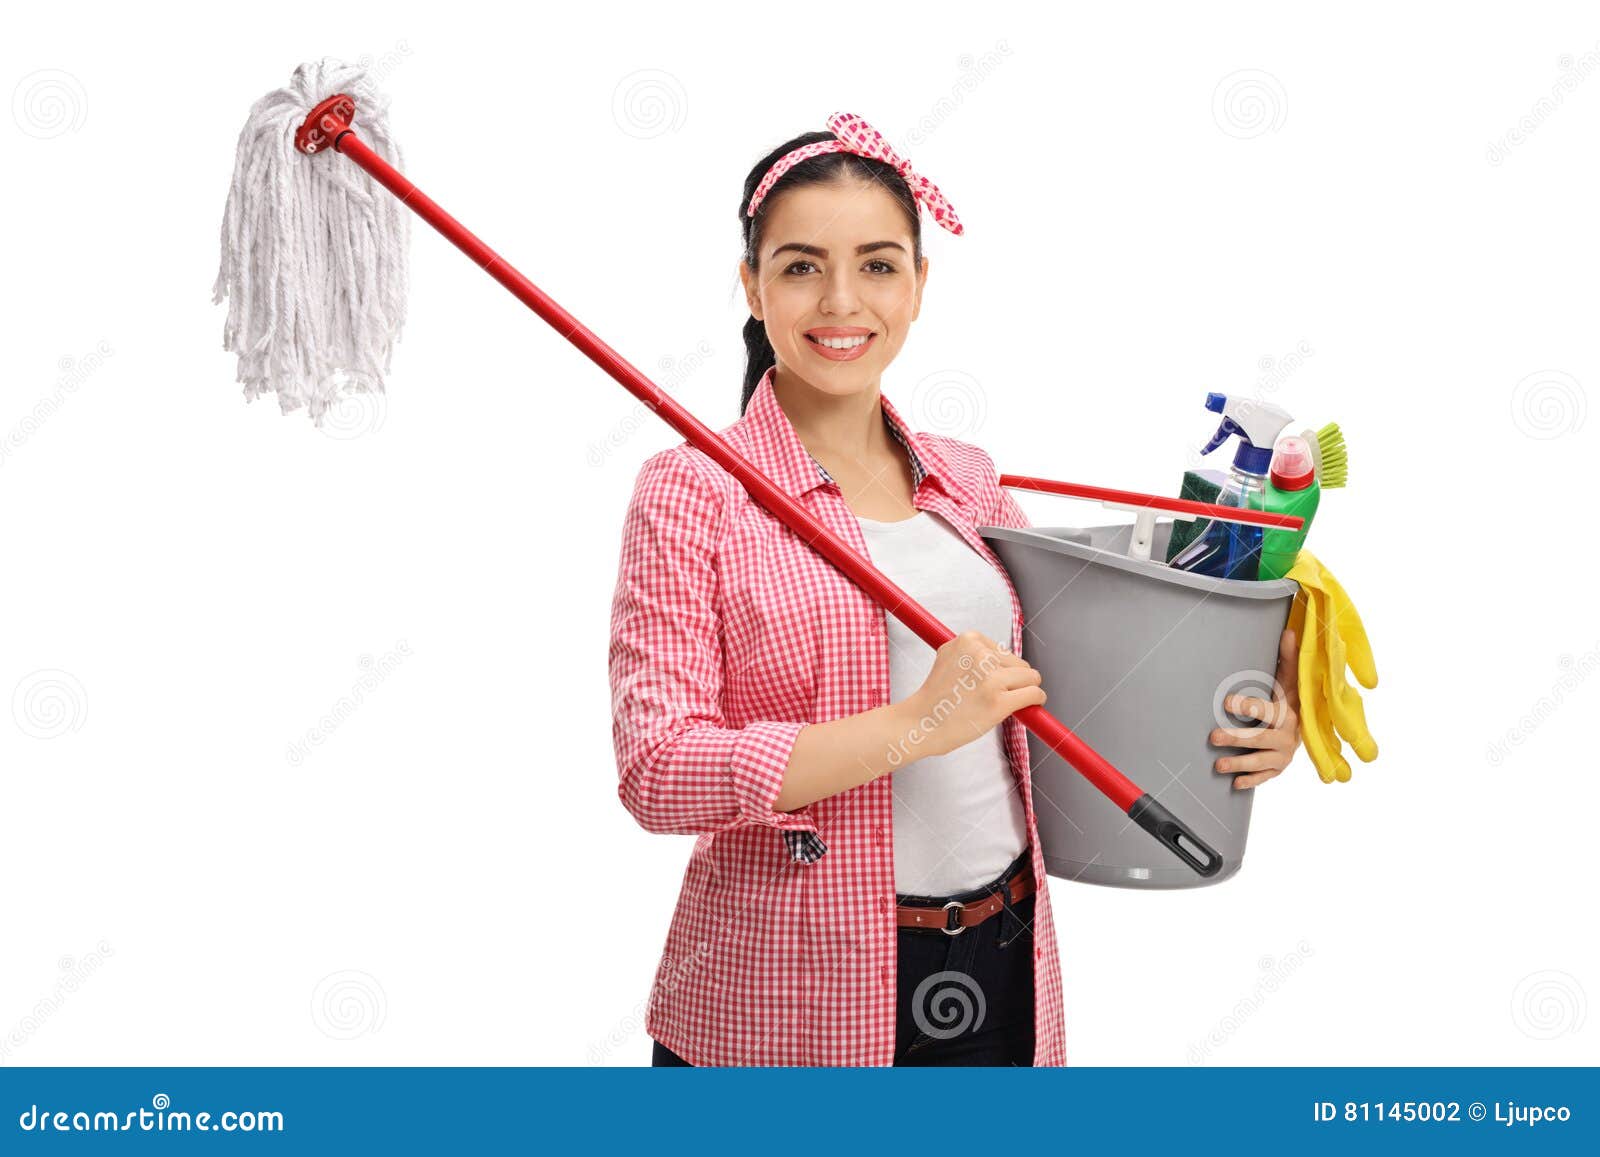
(960, 927)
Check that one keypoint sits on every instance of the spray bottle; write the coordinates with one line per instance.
(1230, 549)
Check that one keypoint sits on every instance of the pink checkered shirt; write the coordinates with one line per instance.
(728, 635)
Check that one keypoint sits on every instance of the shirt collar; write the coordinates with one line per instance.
(792, 465)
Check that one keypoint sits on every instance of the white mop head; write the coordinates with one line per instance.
(314, 252)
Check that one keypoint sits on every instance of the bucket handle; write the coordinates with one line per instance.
(1184, 508)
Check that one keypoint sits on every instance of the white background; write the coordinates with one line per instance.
(1159, 202)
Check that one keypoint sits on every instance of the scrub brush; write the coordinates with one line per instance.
(1327, 452)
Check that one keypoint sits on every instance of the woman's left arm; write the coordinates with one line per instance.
(1275, 743)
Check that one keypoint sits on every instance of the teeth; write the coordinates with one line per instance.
(841, 343)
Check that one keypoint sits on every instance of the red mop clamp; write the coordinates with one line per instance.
(322, 128)
(329, 123)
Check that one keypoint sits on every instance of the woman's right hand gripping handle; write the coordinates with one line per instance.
(972, 687)
(975, 684)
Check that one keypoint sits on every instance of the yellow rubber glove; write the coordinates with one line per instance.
(1332, 637)
(1351, 628)
(1344, 701)
(1316, 730)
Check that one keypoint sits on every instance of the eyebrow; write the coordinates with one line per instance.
(819, 251)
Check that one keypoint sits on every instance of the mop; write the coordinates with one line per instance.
(314, 271)
(313, 256)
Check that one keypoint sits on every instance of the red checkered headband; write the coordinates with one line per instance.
(854, 135)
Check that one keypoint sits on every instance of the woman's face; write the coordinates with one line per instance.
(835, 269)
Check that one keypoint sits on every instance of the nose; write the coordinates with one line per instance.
(839, 295)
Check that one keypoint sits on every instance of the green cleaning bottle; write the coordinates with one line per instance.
(1291, 488)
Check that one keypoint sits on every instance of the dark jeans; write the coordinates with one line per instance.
(965, 999)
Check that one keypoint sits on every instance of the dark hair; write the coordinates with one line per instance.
(759, 356)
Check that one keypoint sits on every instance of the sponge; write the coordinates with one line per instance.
(1198, 486)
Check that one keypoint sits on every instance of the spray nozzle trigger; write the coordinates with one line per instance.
(1218, 404)
(1258, 423)
(1225, 431)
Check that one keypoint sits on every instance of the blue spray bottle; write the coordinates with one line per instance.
(1232, 549)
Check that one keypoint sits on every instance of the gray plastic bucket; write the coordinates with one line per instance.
(1137, 659)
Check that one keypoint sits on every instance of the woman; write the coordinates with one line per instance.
(867, 886)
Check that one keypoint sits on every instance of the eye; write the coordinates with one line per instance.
(887, 268)
(797, 265)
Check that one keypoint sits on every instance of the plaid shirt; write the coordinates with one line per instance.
(729, 635)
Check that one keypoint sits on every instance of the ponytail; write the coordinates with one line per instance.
(759, 358)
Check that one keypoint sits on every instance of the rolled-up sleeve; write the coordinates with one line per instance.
(682, 769)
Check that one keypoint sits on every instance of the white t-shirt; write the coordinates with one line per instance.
(958, 818)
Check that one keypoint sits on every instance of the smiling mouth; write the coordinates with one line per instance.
(841, 343)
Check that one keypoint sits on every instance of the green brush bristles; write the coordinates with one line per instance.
(1327, 447)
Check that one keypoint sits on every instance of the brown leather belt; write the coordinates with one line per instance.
(956, 917)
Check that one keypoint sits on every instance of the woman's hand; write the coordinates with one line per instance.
(1277, 741)
(974, 685)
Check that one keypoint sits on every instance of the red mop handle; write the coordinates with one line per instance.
(330, 121)
(1134, 498)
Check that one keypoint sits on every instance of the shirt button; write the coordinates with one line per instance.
(884, 971)
(883, 903)
(878, 835)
